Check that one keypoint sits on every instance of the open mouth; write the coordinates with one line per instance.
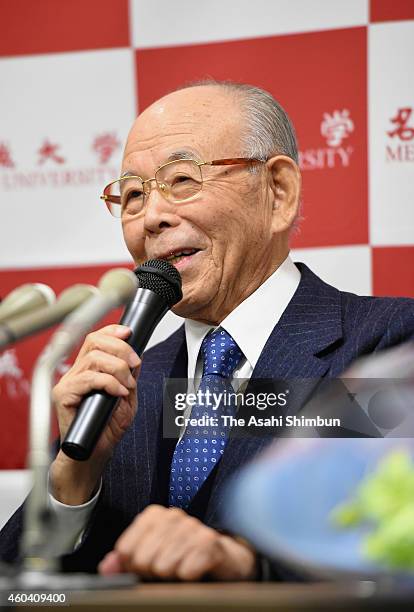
(179, 255)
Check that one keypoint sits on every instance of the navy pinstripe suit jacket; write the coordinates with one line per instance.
(320, 333)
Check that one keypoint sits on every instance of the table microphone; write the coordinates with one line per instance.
(159, 289)
(29, 323)
(26, 299)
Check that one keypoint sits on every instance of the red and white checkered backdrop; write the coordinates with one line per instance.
(75, 73)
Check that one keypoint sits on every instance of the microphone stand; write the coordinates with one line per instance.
(40, 569)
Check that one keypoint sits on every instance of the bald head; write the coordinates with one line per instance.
(207, 114)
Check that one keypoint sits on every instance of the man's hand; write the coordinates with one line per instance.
(168, 543)
(104, 363)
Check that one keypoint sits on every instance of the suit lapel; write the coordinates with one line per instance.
(300, 347)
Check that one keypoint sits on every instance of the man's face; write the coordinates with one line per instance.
(228, 223)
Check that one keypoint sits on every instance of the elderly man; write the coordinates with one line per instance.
(210, 182)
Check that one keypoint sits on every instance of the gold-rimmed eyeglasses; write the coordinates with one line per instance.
(178, 181)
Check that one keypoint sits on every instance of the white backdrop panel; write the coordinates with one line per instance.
(391, 87)
(54, 215)
(14, 486)
(160, 22)
(347, 268)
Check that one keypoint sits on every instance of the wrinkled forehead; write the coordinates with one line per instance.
(204, 119)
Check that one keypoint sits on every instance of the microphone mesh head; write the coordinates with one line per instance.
(162, 278)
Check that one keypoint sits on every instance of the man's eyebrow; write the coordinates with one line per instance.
(174, 156)
(182, 154)
(128, 173)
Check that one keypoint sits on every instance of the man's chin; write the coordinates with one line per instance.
(198, 311)
(184, 310)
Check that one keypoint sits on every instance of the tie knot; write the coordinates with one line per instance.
(221, 355)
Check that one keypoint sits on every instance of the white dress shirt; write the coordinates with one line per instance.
(250, 326)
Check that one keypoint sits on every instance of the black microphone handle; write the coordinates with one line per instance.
(142, 314)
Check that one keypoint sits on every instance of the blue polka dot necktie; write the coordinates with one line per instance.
(201, 447)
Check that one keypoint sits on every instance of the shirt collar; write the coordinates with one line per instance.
(252, 322)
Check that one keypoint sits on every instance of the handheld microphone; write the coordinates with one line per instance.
(20, 327)
(26, 298)
(159, 290)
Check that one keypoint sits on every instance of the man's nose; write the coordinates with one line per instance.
(159, 213)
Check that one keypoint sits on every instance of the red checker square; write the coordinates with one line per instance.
(391, 10)
(320, 78)
(393, 271)
(47, 26)
(17, 362)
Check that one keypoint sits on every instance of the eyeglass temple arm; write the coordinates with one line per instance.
(234, 160)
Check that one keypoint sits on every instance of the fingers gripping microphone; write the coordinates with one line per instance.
(159, 290)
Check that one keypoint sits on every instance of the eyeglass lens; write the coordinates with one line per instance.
(177, 181)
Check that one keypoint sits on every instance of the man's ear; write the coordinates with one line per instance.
(284, 191)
